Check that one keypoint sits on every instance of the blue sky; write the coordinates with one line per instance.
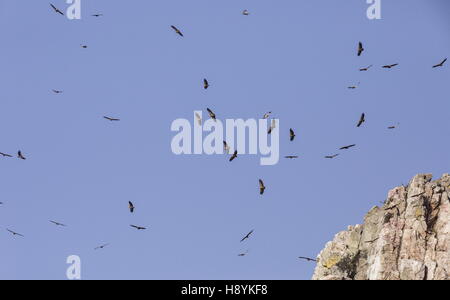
(295, 58)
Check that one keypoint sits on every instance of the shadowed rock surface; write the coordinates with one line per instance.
(406, 239)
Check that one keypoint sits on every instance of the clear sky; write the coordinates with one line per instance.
(295, 58)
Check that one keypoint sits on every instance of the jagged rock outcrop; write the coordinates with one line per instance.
(406, 239)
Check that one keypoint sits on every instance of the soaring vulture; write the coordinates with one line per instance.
(247, 236)
(262, 187)
(212, 115)
(347, 147)
(440, 64)
(177, 30)
(362, 119)
(56, 10)
(234, 156)
(360, 49)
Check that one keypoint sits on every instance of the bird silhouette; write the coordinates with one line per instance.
(262, 187)
(247, 236)
(177, 30)
(347, 147)
(390, 66)
(15, 233)
(205, 84)
(212, 115)
(441, 64)
(58, 224)
(234, 156)
(246, 12)
(332, 156)
(5, 154)
(20, 155)
(360, 49)
(111, 119)
(365, 69)
(291, 157)
(292, 134)
(138, 227)
(56, 9)
(362, 119)
(131, 206)
(101, 247)
(308, 259)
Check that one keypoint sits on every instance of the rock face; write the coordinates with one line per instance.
(406, 239)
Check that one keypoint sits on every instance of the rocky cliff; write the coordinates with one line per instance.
(406, 239)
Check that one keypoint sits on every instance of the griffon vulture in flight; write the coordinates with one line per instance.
(347, 147)
(291, 157)
(234, 156)
(14, 233)
(332, 156)
(97, 15)
(58, 224)
(365, 69)
(360, 49)
(5, 155)
(243, 254)
(440, 64)
(212, 115)
(56, 9)
(205, 84)
(138, 227)
(267, 115)
(199, 119)
(101, 247)
(247, 236)
(273, 125)
(262, 187)
(177, 30)
(390, 66)
(131, 206)
(362, 119)
(245, 12)
(226, 147)
(292, 134)
(308, 259)
(20, 155)
(111, 119)
(57, 91)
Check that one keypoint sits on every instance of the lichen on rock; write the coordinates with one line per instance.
(406, 239)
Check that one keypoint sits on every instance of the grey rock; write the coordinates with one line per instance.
(406, 239)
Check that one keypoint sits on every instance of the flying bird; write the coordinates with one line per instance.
(199, 119)
(111, 119)
(353, 87)
(177, 30)
(83, 46)
(212, 115)
(138, 227)
(14, 233)
(245, 12)
(57, 91)
(243, 254)
(390, 66)
(101, 247)
(205, 84)
(226, 147)
(247, 236)
(273, 125)
(292, 134)
(291, 157)
(56, 9)
(267, 115)
(20, 155)
(131, 206)
(58, 224)
(234, 156)
(347, 147)
(5, 155)
(360, 49)
(440, 64)
(332, 156)
(308, 259)
(362, 119)
(97, 15)
(365, 69)
(262, 187)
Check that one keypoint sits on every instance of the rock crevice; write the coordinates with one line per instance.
(405, 239)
